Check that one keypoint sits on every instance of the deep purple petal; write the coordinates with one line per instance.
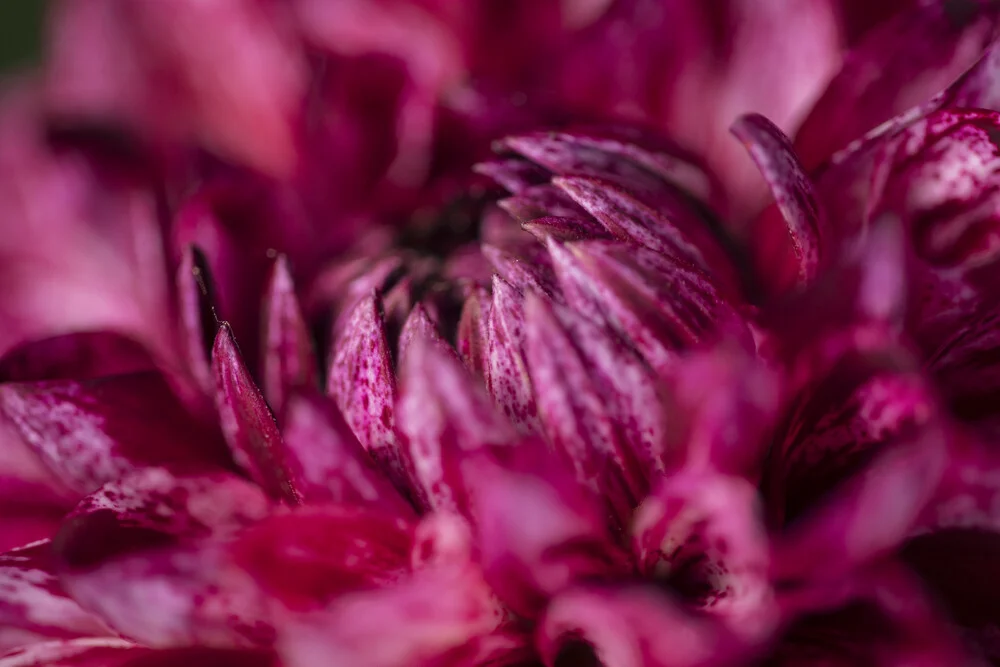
(772, 151)
(328, 462)
(94, 431)
(289, 359)
(147, 555)
(444, 414)
(33, 604)
(247, 422)
(362, 382)
(538, 531)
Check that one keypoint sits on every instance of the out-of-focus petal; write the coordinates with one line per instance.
(146, 554)
(538, 530)
(99, 652)
(94, 431)
(248, 424)
(328, 462)
(289, 359)
(199, 322)
(33, 604)
(77, 356)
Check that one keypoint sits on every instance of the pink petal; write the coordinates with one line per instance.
(99, 652)
(772, 151)
(444, 415)
(703, 534)
(198, 318)
(902, 63)
(520, 273)
(78, 356)
(420, 326)
(146, 554)
(33, 604)
(289, 359)
(328, 462)
(509, 383)
(575, 415)
(362, 382)
(513, 174)
(631, 627)
(472, 337)
(540, 201)
(537, 530)
(94, 431)
(565, 229)
(416, 622)
(247, 422)
(305, 559)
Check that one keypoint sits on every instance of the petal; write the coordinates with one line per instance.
(362, 382)
(328, 462)
(514, 174)
(520, 273)
(444, 414)
(420, 326)
(509, 383)
(772, 151)
(902, 63)
(413, 623)
(537, 530)
(146, 555)
(99, 652)
(247, 422)
(94, 431)
(289, 359)
(540, 201)
(632, 628)
(472, 337)
(307, 558)
(196, 295)
(77, 356)
(702, 534)
(575, 416)
(32, 601)
(565, 229)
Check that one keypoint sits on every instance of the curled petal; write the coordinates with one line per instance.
(443, 414)
(305, 558)
(99, 652)
(94, 431)
(472, 338)
(76, 356)
(509, 383)
(199, 323)
(792, 190)
(248, 424)
(146, 554)
(327, 461)
(362, 382)
(415, 622)
(537, 530)
(289, 358)
(33, 604)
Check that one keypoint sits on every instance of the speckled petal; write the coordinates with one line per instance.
(34, 605)
(444, 414)
(509, 383)
(362, 382)
(289, 359)
(94, 431)
(247, 422)
(472, 337)
(793, 193)
(565, 229)
(520, 272)
(538, 531)
(327, 461)
(146, 554)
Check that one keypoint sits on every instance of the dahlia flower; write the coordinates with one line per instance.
(295, 372)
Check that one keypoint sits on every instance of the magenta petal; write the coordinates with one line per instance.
(247, 422)
(575, 415)
(92, 432)
(538, 530)
(902, 63)
(509, 383)
(539, 201)
(444, 414)
(420, 326)
(76, 356)
(513, 174)
(99, 652)
(792, 190)
(565, 229)
(146, 554)
(703, 534)
(196, 294)
(33, 604)
(306, 558)
(419, 621)
(362, 382)
(633, 627)
(519, 272)
(328, 462)
(472, 337)
(289, 359)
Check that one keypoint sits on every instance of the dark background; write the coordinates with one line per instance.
(20, 33)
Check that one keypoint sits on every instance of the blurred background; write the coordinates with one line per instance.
(20, 32)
